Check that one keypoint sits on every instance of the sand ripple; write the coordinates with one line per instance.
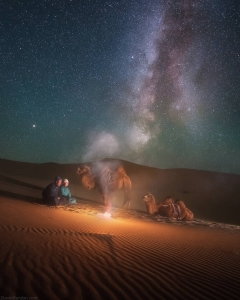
(131, 256)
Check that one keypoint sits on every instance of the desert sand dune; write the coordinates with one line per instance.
(73, 252)
(54, 253)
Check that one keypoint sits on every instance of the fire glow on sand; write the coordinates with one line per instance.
(106, 215)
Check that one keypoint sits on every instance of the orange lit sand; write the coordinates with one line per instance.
(52, 253)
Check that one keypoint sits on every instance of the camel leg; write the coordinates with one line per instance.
(104, 196)
(127, 199)
(108, 203)
(127, 192)
(106, 199)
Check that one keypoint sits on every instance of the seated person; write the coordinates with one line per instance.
(66, 192)
(52, 193)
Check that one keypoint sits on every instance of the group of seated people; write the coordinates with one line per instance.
(58, 193)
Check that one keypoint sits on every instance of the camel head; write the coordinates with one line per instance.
(149, 199)
(87, 178)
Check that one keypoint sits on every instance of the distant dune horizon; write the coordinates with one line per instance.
(116, 159)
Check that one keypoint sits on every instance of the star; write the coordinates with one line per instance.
(151, 83)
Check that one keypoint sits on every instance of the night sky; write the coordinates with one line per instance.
(152, 82)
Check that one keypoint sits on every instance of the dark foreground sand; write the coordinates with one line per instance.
(75, 253)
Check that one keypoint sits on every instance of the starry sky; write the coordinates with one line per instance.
(153, 82)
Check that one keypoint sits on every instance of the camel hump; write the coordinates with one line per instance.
(180, 203)
(120, 170)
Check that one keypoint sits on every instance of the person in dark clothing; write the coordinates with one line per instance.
(52, 193)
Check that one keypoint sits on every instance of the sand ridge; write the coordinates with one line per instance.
(58, 254)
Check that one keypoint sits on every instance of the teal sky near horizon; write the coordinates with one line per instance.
(153, 82)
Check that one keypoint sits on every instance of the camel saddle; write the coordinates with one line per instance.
(176, 211)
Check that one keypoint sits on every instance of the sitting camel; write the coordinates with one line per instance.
(107, 182)
(168, 208)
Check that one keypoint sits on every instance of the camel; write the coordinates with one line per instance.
(168, 208)
(106, 181)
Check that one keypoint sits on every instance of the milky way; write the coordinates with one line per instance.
(152, 82)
